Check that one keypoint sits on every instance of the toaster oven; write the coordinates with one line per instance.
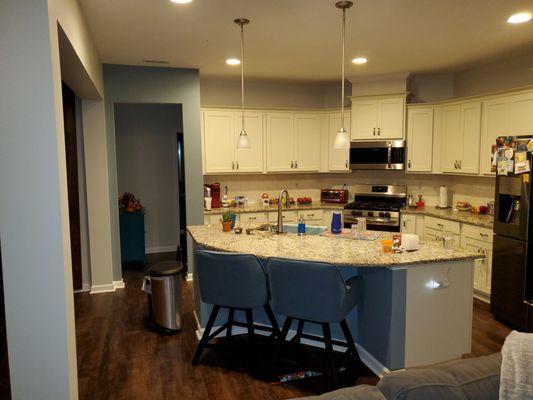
(334, 196)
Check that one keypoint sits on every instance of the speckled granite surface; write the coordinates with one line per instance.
(464, 217)
(258, 208)
(335, 250)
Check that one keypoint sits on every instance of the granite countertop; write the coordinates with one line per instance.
(274, 207)
(335, 250)
(464, 217)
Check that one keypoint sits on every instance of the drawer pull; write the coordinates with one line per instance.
(440, 226)
(485, 235)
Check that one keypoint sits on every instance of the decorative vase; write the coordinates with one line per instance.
(226, 226)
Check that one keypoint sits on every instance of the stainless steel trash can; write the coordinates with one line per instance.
(164, 281)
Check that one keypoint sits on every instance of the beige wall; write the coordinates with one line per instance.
(478, 190)
(271, 94)
(430, 88)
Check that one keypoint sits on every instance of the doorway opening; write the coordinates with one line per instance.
(149, 146)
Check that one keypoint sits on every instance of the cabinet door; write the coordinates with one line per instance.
(280, 142)
(391, 118)
(339, 159)
(364, 119)
(250, 160)
(496, 122)
(522, 114)
(479, 266)
(408, 224)
(487, 261)
(470, 132)
(419, 139)
(307, 134)
(219, 151)
(451, 138)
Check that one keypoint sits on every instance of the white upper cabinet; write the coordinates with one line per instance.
(378, 118)
(307, 135)
(220, 134)
(219, 152)
(496, 122)
(280, 142)
(522, 114)
(419, 139)
(249, 160)
(461, 129)
(339, 159)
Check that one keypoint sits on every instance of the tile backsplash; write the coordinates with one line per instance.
(475, 189)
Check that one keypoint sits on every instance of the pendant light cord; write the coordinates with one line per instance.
(342, 69)
(242, 77)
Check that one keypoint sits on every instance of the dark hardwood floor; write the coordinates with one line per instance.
(119, 359)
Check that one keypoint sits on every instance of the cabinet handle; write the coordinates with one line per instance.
(379, 131)
(455, 164)
(440, 226)
(485, 235)
(409, 164)
(460, 164)
(296, 164)
(404, 224)
(374, 131)
(233, 165)
(346, 163)
(292, 164)
(237, 165)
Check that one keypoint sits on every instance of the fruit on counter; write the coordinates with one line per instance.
(304, 200)
(264, 195)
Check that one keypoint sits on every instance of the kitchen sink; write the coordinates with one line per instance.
(309, 230)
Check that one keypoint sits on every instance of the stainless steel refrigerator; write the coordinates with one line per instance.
(512, 265)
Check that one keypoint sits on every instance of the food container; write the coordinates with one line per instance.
(386, 245)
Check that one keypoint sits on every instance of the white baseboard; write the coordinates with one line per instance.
(160, 249)
(119, 284)
(108, 287)
(86, 287)
(189, 277)
(374, 365)
(482, 296)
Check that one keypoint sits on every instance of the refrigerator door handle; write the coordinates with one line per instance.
(528, 303)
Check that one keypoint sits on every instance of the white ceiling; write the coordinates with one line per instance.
(300, 39)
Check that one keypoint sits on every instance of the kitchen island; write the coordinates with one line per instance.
(416, 307)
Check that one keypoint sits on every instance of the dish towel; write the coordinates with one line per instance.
(516, 380)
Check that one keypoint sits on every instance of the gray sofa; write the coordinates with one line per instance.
(467, 379)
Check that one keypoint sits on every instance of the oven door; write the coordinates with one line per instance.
(381, 154)
(373, 224)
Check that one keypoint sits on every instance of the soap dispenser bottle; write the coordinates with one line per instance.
(301, 226)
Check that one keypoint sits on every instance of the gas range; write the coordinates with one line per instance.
(379, 204)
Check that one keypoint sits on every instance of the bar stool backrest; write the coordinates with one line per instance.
(231, 279)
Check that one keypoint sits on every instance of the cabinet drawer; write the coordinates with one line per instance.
(252, 218)
(212, 219)
(288, 216)
(442, 225)
(312, 215)
(437, 234)
(477, 233)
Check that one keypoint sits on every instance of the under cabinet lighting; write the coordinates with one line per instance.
(181, 1)
(519, 18)
(359, 60)
(233, 61)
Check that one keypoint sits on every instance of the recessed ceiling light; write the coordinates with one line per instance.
(181, 1)
(233, 61)
(519, 18)
(359, 60)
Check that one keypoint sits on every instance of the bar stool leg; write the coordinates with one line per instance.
(273, 321)
(349, 340)
(231, 315)
(250, 322)
(205, 336)
(331, 354)
(299, 331)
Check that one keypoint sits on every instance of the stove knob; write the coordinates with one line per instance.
(381, 214)
(370, 213)
(387, 215)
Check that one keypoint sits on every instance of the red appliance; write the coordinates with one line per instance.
(334, 196)
(215, 194)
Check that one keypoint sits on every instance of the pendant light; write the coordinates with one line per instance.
(244, 141)
(342, 141)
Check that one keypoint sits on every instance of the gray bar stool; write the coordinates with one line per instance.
(314, 292)
(236, 282)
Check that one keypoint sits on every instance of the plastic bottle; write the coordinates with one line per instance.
(301, 226)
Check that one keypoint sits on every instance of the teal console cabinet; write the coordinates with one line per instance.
(132, 237)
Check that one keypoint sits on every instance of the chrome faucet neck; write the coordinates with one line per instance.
(280, 203)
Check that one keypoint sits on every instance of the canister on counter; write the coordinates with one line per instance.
(397, 243)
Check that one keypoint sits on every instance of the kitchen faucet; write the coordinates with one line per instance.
(280, 215)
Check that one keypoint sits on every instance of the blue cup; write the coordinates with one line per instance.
(233, 218)
(336, 223)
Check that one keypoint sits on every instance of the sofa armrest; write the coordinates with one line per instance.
(361, 392)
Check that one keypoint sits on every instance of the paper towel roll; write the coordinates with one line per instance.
(443, 197)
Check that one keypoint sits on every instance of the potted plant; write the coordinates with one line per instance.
(226, 221)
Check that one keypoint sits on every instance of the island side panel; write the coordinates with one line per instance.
(438, 321)
(381, 316)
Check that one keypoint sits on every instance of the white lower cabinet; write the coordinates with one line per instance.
(480, 240)
(287, 216)
(247, 219)
(411, 223)
(312, 217)
(438, 229)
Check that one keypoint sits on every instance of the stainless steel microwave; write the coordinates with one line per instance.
(377, 154)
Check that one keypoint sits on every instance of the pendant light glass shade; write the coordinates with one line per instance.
(342, 140)
(244, 141)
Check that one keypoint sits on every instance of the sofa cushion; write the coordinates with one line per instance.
(468, 379)
(361, 392)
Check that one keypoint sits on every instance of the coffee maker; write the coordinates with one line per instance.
(215, 194)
